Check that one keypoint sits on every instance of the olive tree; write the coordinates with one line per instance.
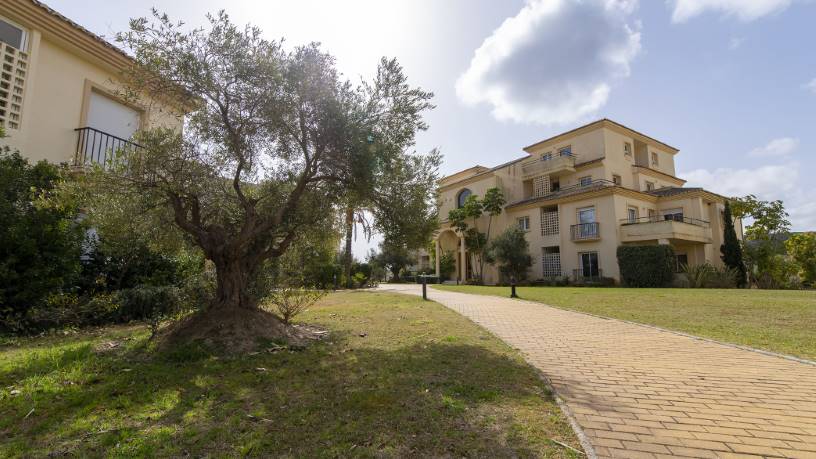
(271, 139)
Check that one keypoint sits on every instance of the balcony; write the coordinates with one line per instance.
(671, 227)
(585, 232)
(554, 166)
(98, 147)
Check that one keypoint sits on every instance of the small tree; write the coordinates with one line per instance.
(764, 249)
(731, 249)
(512, 252)
(802, 250)
(393, 257)
(473, 209)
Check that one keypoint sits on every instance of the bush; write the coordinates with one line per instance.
(646, 265)
(149, 303)
(40, 243)
(699, 275)
(559, 281)
(447, 265)
(288, 301)
(707, 276)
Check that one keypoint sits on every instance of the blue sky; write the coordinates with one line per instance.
(731, 83)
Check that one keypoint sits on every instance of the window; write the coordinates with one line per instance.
(556, 186)
(616, 179)
(587, 227)
(655, 162)
(524, 223)
(566, 151)
(586, 215)
(585, 181)
(546, 156)
(549, 221)
(682, 262)
(632, 214)
(627, 149)
(12, 35)
(589, 264)
(650, 186)
(673, 214)
(551, 261)
(12, 74)
(462, 197)
(652, 215)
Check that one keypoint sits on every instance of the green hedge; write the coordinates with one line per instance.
(646, 265)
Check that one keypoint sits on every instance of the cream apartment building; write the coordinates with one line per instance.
(58, 89)
(581, 194)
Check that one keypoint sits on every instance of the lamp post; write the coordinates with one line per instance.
(424, 287)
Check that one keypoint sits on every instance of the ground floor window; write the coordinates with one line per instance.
(589, 264)
(551, 261)
(682, 262)
(524, 223)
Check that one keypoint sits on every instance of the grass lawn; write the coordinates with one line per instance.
(396, 377)
(777, 320)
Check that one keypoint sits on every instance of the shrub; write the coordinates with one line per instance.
(699, 275)
(289, 301)
(558, 281)
(447, 265)
(646, 265)
(150, 303)
(360, 279)
(707, 276)
(40, 243)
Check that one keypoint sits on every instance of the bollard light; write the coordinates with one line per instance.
(424, 287)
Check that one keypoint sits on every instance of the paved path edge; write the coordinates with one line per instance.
(656, 327)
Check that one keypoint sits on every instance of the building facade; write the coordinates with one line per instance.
(59, 89)
(581, 194)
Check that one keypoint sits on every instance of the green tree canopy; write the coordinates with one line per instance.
(801, 248)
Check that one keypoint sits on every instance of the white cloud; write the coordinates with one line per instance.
(777, 147)
(811, 86)
(765, 182)
(744, 10)
(554, 61)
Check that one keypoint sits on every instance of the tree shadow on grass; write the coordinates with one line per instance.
(331, 400)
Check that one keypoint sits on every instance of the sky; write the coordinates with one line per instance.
(731, 83)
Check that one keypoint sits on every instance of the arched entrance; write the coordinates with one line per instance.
(447, 241)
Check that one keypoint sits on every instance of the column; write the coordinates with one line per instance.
(437, 254)
(463, 258)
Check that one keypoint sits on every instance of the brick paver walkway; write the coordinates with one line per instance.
(642, 392)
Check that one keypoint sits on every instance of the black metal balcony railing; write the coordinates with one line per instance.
(585, 231)
(668, 217)
(95, 146)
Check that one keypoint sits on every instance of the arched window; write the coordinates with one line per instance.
(462, 197)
